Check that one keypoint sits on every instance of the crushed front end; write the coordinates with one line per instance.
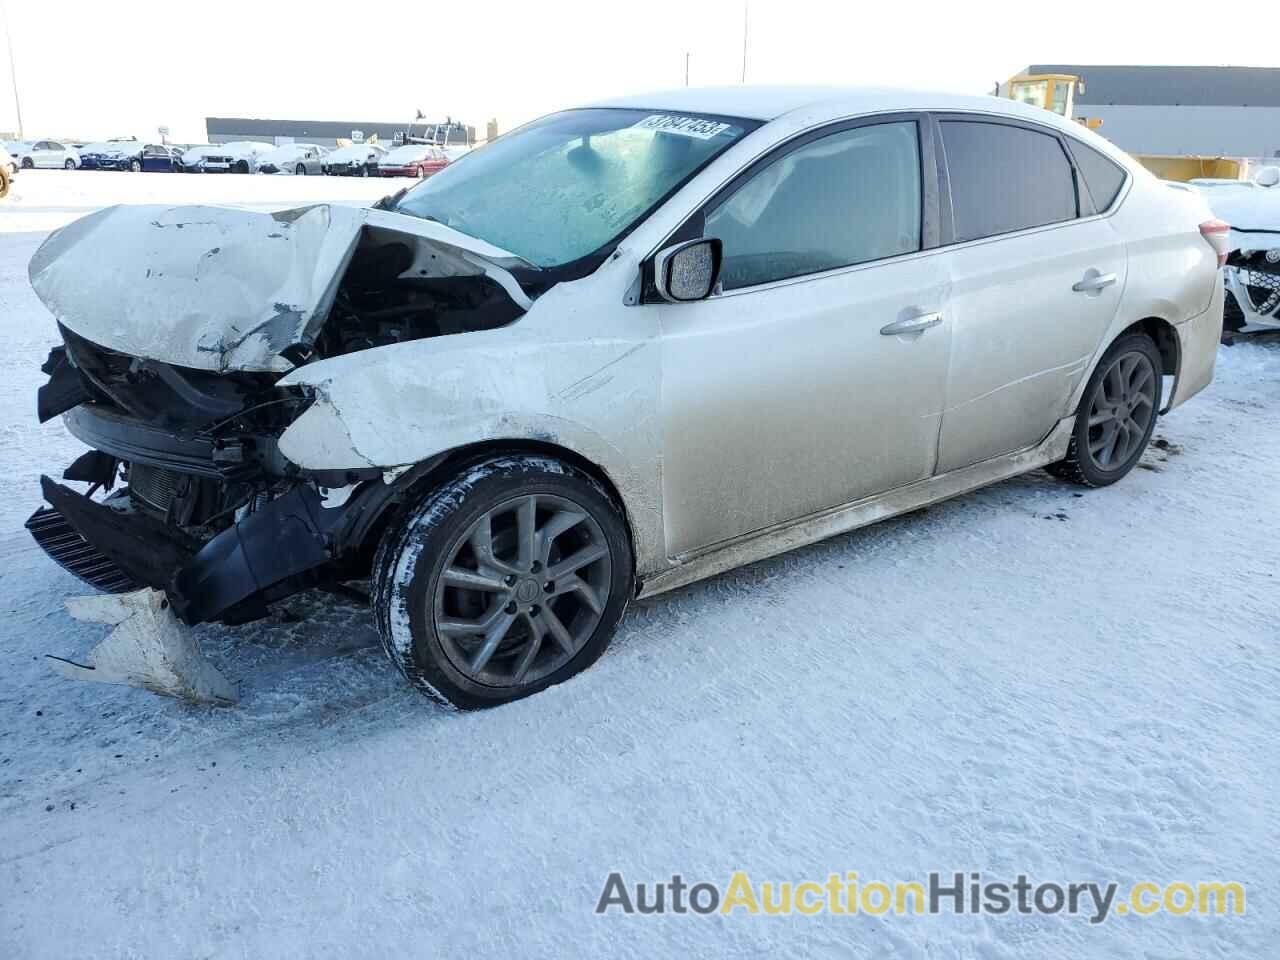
(177, 325)
(185, 490)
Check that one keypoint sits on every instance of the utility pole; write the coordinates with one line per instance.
(744, 40)
(686, 69)
(13, 70)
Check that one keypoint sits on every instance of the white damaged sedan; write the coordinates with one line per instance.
(622, 348)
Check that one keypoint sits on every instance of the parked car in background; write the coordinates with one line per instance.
(357, 160)
(8, 170)
(120, 153)
(296, 158)
(17, 149)
(50, 155)
(11, 154)
(413, 160)
(160, 158)
(1252, 273)
(191, 160)
(238, 156)
(621, 349)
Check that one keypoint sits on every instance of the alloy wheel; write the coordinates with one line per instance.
(1123, 406)
(523, 590)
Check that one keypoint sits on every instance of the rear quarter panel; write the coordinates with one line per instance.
(1173, 276)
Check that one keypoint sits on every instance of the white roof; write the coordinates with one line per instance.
(768, 103)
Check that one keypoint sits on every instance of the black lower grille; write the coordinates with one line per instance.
(75, 554)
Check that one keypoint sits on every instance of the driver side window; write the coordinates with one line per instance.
(846, 198)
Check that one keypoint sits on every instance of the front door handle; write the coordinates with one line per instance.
(1093, 282)
(921, 321)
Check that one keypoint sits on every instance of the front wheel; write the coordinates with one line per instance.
(1117, 414)
(69, 165)
(135, 166)
(26, 163)
(4, 183)
(505, 580)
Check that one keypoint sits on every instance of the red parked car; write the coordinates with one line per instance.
(413, 160)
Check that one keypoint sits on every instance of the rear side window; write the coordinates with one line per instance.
(1102, 176)
(846, 198)
(1005, 178)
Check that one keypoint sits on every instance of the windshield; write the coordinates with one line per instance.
(570, 184)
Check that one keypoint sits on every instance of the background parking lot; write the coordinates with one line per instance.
(1029, 679)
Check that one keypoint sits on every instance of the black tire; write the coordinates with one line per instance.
(241, 166)
(27, 164)
(69, 165)
(5, 182)
(415, 551)
(1080, 465)
(300, 170)
(135, 166)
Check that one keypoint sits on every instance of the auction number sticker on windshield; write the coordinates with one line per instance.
(682, 126)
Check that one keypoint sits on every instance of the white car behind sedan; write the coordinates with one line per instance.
(50, 155)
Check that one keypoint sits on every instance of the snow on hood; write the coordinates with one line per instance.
(220, 289)
(1253, 211)
(241, 148)
(121, 147)
(283, 154)
(358, 151)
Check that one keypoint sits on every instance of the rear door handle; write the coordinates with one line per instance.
(921, 321)
(1093, 282)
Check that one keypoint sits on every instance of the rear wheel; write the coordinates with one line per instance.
(69, 165)
(1117, 414)
(504, 581)
(135, 166)
(4, 183)
(300, 170)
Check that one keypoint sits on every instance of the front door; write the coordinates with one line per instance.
(815, 378)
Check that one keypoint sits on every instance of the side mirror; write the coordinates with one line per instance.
(688, 271)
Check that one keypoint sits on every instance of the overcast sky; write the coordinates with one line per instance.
(96, 68)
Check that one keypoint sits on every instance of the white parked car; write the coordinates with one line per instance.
(192, 159)
(622, 348)
(1252, 273)
(50, 155)
(295, 158)
(238, 156)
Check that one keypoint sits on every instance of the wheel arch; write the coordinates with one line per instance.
(1166, 340)
(409, 489)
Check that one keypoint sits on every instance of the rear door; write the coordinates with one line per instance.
(1036, 280)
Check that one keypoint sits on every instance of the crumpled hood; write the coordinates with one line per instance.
(222, 289)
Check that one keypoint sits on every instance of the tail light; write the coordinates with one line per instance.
(1216, 233)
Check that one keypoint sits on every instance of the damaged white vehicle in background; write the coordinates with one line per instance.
(1252, 273)
(620, 349)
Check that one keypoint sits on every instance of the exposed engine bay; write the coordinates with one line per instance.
(184, 487)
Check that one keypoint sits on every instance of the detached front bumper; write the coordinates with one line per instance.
(118, 549)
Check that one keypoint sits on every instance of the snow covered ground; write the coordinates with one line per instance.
(1031, 679)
